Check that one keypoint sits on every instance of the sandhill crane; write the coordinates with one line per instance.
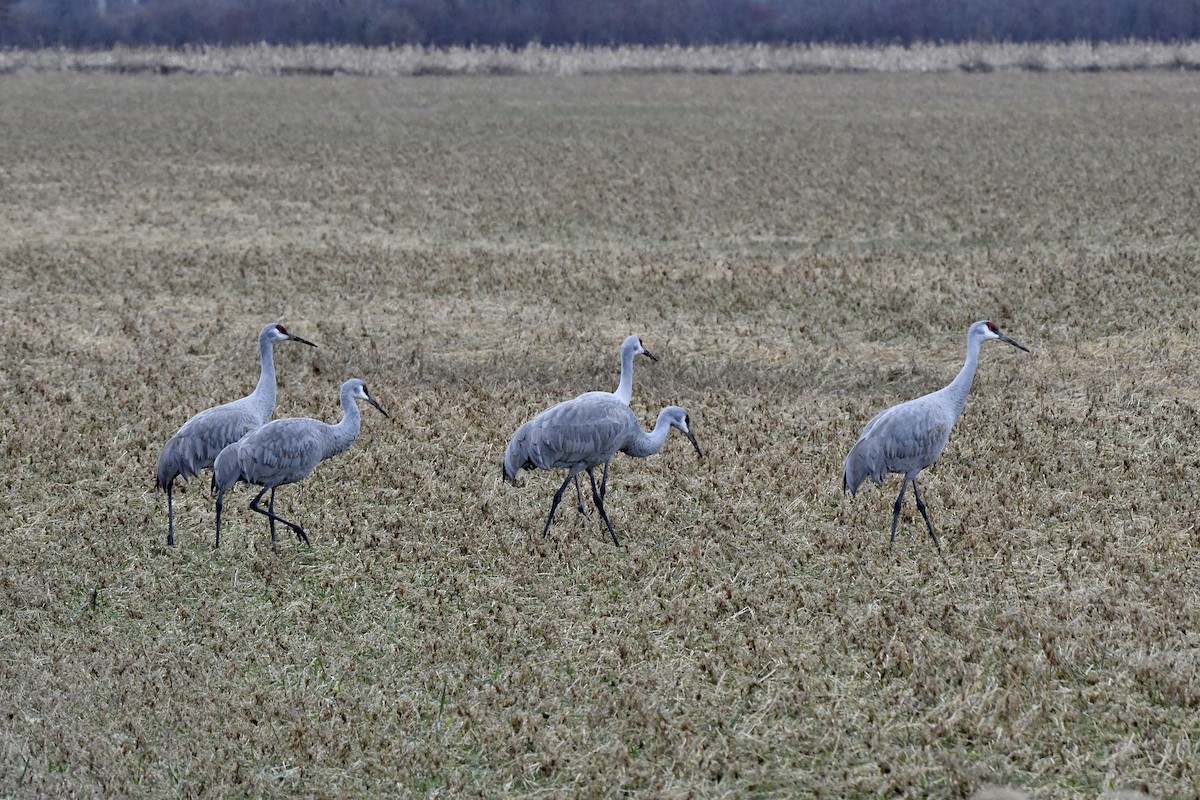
(287, 451)
(630, 348)
(909, 437)
(582, 433)
(197, 443)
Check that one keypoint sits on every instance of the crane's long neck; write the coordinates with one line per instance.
(960, 387)
(624, 391)
(647, 444)
(343, 434)
(264, 393)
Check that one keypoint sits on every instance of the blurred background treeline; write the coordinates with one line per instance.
(516, 23)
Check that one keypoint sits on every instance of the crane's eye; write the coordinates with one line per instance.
(992, 327)
(282, 330)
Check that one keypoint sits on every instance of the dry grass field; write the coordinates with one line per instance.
(799, 251)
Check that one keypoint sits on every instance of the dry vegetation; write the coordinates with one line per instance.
(535, 59)
(799, 251)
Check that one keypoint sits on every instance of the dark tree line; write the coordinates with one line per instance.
(104, 23)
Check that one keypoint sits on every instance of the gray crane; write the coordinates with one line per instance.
(287, 451)
(196, 445)
(909, 437)
(583, 433)
(630, 348)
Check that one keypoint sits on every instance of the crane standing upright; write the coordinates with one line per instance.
(909, 437)
(195, 446)
(630, 349)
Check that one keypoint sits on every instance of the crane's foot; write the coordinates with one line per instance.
(936, 543)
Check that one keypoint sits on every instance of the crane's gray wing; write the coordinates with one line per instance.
(283, 451)
(585, 431)
(202, 437)
(904, 438)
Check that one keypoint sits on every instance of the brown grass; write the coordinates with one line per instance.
(798, 251)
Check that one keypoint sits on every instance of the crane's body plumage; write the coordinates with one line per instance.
(910, 436)
(580, 434)
(583, 432)
(286, 451)
(196, 445)
(905, 439)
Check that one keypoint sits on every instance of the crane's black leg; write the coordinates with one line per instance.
(220, 502)
(598, 499)
(921, 508)
(270, 514)
(579, 498)
(170, 517)
(557, 499)
(271, 517)
(271, 508)
(896, 511)
(300, 534)
(604, 482)
(254, 506)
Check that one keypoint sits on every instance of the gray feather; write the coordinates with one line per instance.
(904, 439)
(286, 451)
(197, 443)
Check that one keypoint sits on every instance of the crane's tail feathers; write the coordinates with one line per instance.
(226, 469)
(852, 484)
(865, 460)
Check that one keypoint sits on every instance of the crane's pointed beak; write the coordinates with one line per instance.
(301, 340)
(1014, 343)
(371, 400)
(692, 438)
(649, 355)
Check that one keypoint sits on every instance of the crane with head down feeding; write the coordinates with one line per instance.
(580, 434)
(909, 437)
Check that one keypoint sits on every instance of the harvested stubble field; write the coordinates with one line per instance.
(799, 251)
